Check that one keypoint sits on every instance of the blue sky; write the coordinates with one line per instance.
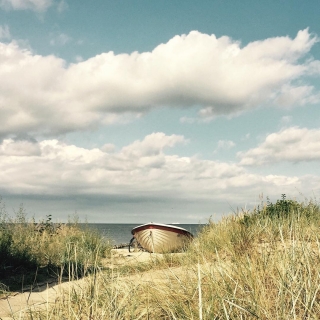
(168, 111)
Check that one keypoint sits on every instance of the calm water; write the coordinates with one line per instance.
(121, 233)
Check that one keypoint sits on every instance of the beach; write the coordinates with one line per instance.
(43, 295)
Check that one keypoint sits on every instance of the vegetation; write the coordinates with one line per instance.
(33, 251)
(262, 264)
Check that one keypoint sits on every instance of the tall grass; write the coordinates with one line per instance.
(29, 249)
(263, 264)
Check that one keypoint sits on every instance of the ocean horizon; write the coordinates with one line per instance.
(120, 233)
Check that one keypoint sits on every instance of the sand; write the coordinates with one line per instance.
(19, 304)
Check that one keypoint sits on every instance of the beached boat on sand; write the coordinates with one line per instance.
(157, 237)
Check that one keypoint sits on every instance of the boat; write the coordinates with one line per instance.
(160, 238)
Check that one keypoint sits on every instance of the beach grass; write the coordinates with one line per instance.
(262, 264)
(32, 252)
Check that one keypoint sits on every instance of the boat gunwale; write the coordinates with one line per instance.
(159, 226)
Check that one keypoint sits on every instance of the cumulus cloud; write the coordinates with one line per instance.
(36, 5)
(142, 169)
(44, 94)
(52, 167)
(152, 145)
(108, 147)
(290, 96)
(9, 147)
(292, 144)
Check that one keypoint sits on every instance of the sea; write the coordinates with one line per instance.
(120, 233)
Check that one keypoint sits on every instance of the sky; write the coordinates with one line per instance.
(132, 111)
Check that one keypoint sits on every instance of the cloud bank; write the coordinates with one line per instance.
(45, 95)
(292, 145)
(143, 178)
(143, 168)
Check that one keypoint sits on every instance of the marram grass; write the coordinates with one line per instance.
(32, 251)
(259, 265)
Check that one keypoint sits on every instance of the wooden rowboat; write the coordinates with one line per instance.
(157, 237)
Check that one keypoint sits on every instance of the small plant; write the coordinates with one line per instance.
(47, 226)
(282, 208)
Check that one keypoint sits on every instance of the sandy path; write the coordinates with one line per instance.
(17, 306)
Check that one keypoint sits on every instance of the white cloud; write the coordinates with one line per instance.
(45, 95)
(142, 169)
(282, 180)
(108, 147)
(289, 96)
(9, 147)
(152, 145)
(5, 32)
(292, 144)
(51, 169)
(36, 5)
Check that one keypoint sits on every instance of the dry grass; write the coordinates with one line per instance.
(259, 265)
(31, 252)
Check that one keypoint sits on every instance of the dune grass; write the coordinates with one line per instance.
(262, 264)
(31, 252)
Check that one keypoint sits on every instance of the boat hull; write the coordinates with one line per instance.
(161, 238)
